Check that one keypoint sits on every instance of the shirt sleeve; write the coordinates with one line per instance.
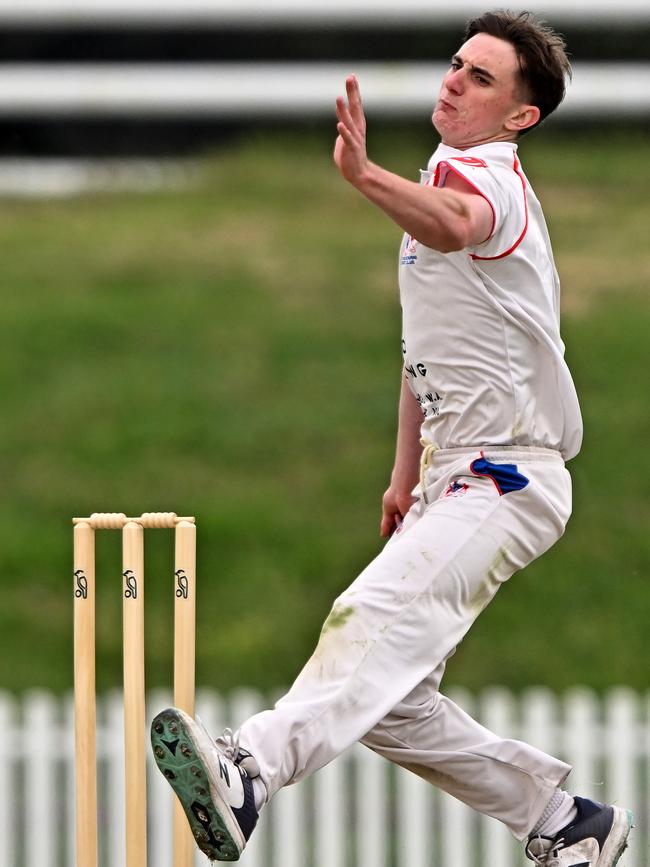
(504, 189)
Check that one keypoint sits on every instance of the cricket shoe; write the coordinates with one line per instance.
(212, 780)
(596, 838)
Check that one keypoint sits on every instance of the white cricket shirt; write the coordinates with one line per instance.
(481, 333)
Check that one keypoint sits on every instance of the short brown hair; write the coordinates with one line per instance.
(541, 52)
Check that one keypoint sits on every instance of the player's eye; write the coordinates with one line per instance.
(456, 64)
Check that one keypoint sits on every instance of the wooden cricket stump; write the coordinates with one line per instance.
(134, 684)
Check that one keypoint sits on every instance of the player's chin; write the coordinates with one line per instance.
(438, 120)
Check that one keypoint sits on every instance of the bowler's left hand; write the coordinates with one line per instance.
(350, 149)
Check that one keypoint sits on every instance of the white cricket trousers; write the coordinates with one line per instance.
(376, 670)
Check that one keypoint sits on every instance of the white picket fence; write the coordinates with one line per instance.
(360, 810)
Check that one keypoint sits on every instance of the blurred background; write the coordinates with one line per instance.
(200, 316)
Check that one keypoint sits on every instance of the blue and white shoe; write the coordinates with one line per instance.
(212, 780)
(596, 838)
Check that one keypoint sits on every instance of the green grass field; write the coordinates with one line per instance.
(232, 351)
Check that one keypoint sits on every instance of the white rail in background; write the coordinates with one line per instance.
(290, 12)
(240, 90)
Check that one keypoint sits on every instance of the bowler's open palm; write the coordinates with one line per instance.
(350, 149)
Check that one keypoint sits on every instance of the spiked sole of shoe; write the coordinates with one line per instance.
(184, 770)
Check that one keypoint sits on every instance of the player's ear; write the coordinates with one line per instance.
(524, 117)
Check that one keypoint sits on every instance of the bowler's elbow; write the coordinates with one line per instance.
(455, 236)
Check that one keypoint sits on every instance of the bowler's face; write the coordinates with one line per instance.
(479, 94)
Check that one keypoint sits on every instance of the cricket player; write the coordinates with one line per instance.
(488, 415)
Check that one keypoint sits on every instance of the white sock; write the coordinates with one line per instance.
(259, 790)
(559, 812)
